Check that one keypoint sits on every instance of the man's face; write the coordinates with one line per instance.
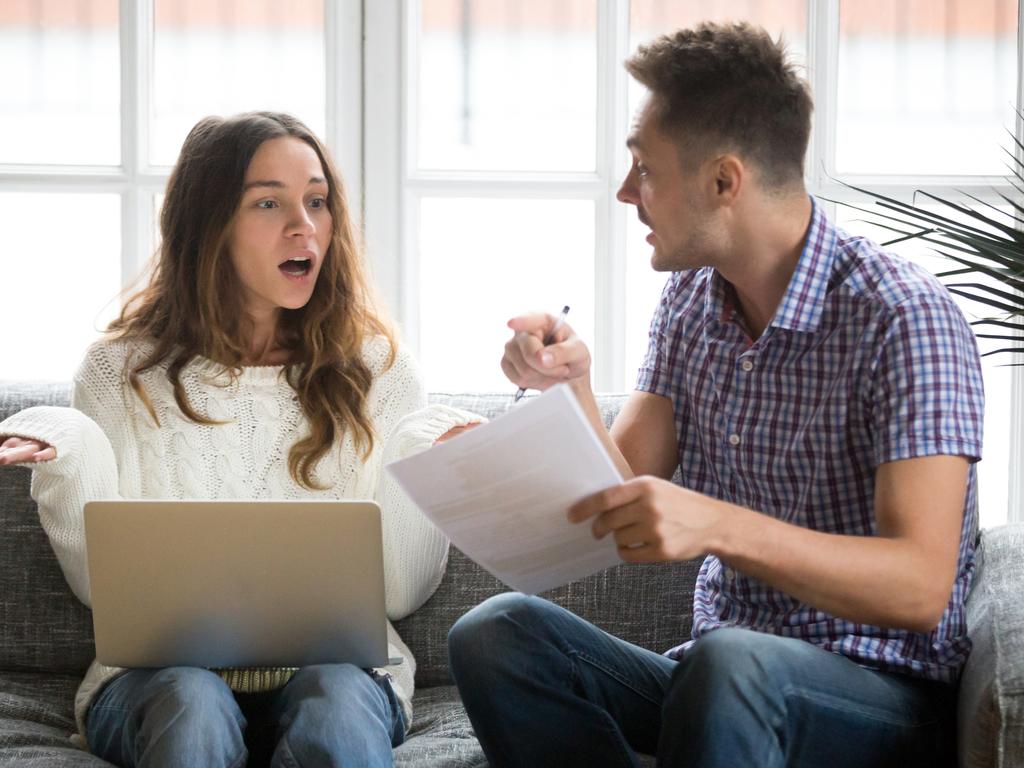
(667, 197)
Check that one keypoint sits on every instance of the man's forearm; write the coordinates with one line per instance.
(882, 581)
(585, 397)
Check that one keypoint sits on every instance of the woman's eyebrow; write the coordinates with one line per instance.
(280, 184)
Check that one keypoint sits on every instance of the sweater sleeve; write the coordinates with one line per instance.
(84, 470)
(415, 551)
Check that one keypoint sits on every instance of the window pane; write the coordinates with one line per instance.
(926, 87)
(66, 292)
(60, 89)
(643, 290)
(993, 470)
(483, 261)
(507, 85)
(650, 18)
(221, 57)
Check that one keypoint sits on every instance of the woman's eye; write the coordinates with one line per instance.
(318, 202)
(641, 169)
(266, 204)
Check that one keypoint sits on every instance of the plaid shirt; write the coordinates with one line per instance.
(867, 360)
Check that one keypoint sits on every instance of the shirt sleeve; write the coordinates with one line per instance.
(927, 395)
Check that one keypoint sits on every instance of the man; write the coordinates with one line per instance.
(823, 402)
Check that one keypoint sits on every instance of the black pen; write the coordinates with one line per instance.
(547, 340)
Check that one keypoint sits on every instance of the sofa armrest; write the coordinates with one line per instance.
(991, 703)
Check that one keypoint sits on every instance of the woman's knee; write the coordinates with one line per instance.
(197, 690)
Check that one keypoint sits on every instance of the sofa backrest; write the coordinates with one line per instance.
(44, 627)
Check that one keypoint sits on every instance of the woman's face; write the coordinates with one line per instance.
(282, 229)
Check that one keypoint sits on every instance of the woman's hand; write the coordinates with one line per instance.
(454, 431)
(18, 449)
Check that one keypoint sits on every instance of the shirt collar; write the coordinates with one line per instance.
(804, 300)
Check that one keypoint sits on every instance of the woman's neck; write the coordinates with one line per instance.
(265, 345)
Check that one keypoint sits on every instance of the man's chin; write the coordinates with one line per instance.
(659, 263)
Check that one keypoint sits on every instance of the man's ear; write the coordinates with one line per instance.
(729, 176)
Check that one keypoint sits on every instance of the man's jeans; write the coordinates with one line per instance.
(327, 715)
(544, 687)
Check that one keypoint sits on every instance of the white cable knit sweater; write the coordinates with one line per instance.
(108, 447)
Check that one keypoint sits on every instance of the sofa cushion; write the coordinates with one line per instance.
(43, 627)
(991, 702)
(36, 721)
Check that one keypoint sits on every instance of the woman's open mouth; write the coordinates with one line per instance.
(296, 266)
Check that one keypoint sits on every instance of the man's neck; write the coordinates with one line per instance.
(763, 257)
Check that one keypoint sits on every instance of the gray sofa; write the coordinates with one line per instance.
(46, 634)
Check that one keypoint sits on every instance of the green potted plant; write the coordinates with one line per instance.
(980, 240)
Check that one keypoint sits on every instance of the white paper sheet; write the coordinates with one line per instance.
(501, 492)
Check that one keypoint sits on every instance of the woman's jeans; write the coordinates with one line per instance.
(543, 687)
(327, 715)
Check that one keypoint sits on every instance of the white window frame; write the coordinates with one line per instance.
(394, 186)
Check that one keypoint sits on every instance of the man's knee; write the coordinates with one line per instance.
(487, 626)
(497, 630)
(736, 664)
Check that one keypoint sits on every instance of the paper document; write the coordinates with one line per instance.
(501, 491)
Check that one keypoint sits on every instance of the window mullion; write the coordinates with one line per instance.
(136, 40)
(1015, 499)
(383, 140)
(823, 71)
(343, 80)
(609, 344)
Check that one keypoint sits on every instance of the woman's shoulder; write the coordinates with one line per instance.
(109, 358)
(387, 357)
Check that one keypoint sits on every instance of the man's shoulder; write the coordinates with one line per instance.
(867, 271)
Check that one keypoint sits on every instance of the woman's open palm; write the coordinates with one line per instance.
(17, 449)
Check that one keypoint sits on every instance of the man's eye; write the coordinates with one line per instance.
(266, 204)
(641, 169)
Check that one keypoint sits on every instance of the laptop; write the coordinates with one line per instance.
(237, 583)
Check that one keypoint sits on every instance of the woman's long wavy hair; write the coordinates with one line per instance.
(192, 305)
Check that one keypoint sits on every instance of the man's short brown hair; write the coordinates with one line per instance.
(729, 87)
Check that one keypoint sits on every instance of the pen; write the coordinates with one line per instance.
(548, 339)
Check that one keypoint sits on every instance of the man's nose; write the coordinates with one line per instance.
(627, 190)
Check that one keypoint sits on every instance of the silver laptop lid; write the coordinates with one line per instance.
(233, 584)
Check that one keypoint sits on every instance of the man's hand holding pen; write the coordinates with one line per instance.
(530, 364)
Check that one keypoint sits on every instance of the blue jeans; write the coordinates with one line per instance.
(544, 687)
(327, 715)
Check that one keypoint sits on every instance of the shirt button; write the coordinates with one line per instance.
(747, 365)
(728, 573)
(734, 439)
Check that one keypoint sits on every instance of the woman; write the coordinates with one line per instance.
(252, 365)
